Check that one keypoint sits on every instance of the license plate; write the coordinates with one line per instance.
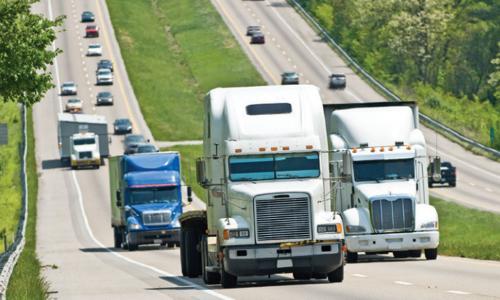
(157, 241)
(284, 263)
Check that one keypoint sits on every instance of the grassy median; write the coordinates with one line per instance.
(175, 51)
(10, 168)
(26, 281)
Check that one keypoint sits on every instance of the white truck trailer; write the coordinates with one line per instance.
(266, 170)
(379, 154)
(82, 139)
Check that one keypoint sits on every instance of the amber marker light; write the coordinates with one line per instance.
(274, 148)
(372, 149)
(354, 150)
(262, 149)
(390, 148)
(408, 147)
(309, 146)
(286, 148)
(382, 149)
(226, 234)
(237, 150)
(339, 228)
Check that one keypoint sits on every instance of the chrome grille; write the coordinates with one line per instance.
(283, 219)
(396, 215)
(156, 218)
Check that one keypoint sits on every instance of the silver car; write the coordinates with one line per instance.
(68, 88)
(104, 76)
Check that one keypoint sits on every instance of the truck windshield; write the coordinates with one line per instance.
(152, 195)
(86, 141)
(278, 166)
(377, 170)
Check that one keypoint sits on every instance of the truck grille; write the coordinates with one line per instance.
(283, 219)
(156, 218)
(393, 215)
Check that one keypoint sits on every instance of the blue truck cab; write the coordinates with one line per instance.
(146, 199)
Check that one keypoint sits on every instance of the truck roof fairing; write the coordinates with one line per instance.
(162, 161)
(152, 179)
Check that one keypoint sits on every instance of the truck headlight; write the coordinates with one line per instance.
(236, 234)
(329, 228)
(429, 225)
(135, 226)
(354, 228)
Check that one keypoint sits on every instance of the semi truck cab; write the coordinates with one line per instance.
(84, 150)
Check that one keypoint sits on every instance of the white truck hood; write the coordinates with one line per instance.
(249, 190)
(391, 188)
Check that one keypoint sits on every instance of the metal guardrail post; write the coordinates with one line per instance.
(388, 93)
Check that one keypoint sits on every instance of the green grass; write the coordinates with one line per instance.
(467, 232)
(175, 51)
(189, 154)
(26, 281)
(10, 180)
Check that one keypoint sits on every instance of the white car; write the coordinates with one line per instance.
(68, 88)
(104, 76)
(74, 105)
(94, 50)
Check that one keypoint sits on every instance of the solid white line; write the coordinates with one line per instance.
(458, 292)
(359, 275)
(403, 283)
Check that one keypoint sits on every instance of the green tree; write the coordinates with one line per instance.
(24, 52)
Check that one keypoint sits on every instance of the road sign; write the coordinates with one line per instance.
(4, 134)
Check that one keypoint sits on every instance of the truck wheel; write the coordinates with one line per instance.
(208, 277)
(183, 255)
(118, 237)
(401, 254)
(227, 280)
(130, 246)
(431, 254)
(301, 276)
(336, 275)
(415, 253)
(430, 184)
(352, 257)
(192, 255)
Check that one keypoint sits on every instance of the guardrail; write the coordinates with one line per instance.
(9, 258)
(388, 93)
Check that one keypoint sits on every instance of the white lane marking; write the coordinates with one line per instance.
(458, 292)
(402, 282)
(289, 59)
(278, 45)
(488, 190)
(294, 66)
(359, 275)
(472, 184)
(154, 269)
(86, 75)
(353, 95)
(56, 66)
(284, 52)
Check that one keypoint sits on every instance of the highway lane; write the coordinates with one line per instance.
(292, 45)
(74, 230)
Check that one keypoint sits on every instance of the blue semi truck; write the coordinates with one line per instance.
(146, 199)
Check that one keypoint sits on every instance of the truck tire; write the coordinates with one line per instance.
(352, 257)
(415, 253)
(431, 254)
(337, 275)
(208, 277)
(192, 255)
(118, 237)
(183, 255)
(453, 184)
(227, 280)
(130, 246)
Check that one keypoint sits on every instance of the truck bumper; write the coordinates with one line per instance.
(270, 259)
(85, 163)
(154, 236)
(393, 241)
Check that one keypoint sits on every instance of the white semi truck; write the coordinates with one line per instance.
(83, 139)
(379, 155)
(266, 170)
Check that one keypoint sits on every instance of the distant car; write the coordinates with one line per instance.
(73, 105)
(68, 88)
(252, 29)
(448, 174)
(122, 126)
(105, 64)
(131, 142)
(104, 76)
(337, 81)
(290, 78)
(94, 50)
(91, 31)
(146, 148)
(104, 98)
(88, 16)
(258, 38)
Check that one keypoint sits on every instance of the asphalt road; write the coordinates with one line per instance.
(74, 233)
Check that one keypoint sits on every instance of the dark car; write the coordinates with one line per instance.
(88, 16)
(337, 81)
(131, 142)
(447, 174)
(146, 148)
(122, 126)
(104, 98)
(290, 78)
(104, 64)
(91, 31)
(258, 38)
(252, 29)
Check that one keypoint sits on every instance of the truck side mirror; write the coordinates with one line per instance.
(118, 198)
(201, 176)
(436, 165)
(190, 194)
